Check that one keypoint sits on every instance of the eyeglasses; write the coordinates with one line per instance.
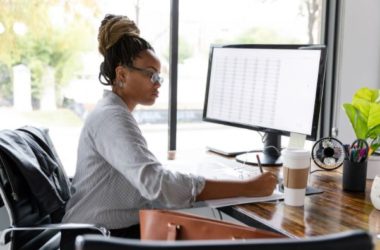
(154, 76)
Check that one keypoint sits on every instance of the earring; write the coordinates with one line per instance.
(121, 84)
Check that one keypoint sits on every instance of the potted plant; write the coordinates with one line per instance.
(364, 115)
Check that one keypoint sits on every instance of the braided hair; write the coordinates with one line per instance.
(119, 43)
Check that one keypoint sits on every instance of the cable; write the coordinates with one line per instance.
(263, 137)
(220, 214)
(278, 151)
(213, 213)
(317, 170)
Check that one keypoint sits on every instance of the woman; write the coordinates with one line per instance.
(116, 173)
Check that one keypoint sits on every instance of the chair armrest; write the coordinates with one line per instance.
(55, 226)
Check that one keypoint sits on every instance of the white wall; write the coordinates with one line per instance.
(358, 56)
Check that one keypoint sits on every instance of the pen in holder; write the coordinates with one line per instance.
(355, 166)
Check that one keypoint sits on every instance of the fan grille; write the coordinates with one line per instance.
(328, 153)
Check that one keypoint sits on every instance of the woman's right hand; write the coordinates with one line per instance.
(261, 185)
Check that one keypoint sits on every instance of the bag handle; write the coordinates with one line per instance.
(173, 231)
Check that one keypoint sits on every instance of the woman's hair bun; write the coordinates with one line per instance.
(112, 28)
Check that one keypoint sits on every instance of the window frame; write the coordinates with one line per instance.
(329, 34)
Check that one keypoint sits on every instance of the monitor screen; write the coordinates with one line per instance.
(272, 88)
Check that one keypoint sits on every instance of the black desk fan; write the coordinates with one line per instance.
(328, 153)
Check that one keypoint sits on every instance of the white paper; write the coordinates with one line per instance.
(213, 169)
(238, 200)
(221, 169)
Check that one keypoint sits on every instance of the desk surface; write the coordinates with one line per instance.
(332, 211)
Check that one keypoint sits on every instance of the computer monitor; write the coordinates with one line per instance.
(276, 89)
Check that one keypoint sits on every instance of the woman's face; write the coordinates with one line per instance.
(140, 82)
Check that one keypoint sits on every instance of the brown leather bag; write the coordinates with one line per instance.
(170, 225)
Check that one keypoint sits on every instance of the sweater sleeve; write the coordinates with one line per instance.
(119, 141)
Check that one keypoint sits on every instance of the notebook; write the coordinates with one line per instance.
(230, 149)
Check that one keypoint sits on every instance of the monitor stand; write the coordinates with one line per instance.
(271, 155)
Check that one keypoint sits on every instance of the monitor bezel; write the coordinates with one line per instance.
(319, 89)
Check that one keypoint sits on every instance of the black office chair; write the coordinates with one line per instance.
(351, 240)
(33, 223)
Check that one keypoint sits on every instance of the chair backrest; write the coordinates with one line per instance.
(23, 208)
(351, 240)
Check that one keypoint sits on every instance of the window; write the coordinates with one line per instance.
(49, 61)
(202, 23)
(49, 66)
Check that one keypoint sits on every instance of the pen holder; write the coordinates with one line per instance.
(354, 176)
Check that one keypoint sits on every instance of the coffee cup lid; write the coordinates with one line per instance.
(295, 153)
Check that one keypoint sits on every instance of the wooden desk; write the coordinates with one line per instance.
(330, 212)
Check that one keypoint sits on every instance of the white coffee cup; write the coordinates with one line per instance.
(296, 168)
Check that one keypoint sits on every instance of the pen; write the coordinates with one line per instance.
(259, 163)
(353, 154)
(362, 154)
(358, 151)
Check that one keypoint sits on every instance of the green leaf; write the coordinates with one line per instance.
(376, 96)
(370, 95)
(362, 105)
(375, 144)
(374, 132)
(358, 122)
(374, 115)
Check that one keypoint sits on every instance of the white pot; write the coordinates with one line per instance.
(373, 166)
(375, 192)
